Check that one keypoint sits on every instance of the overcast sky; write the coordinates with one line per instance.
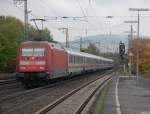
(95, 10)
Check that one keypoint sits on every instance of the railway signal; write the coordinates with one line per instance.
(122, 50)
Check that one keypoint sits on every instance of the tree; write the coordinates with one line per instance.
(10, 36)
(144, 56)
(91, 49)
(34, 34)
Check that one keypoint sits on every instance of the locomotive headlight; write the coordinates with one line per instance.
(22, 68)
(40, 62)
(42, 68)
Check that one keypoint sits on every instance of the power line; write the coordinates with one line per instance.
(5, 11)
(88, 7)
(25, 17)
(66, 31)
(55, 17)
(21, 9)
(82, 10)
(44, 6)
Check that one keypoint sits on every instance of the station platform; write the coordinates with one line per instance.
(127, 95)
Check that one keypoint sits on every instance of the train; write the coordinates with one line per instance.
(43, 60)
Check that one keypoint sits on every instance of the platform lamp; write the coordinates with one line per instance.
(129, 44)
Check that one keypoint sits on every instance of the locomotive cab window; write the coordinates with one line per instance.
(27, 52)
(39, 52)
(33, 52)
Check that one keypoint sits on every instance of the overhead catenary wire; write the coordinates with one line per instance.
(84, 14)
(21, 9)
(44, 5)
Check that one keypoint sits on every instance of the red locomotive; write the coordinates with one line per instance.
(43, 60)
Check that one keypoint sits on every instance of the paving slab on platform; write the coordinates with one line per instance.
(134, 96)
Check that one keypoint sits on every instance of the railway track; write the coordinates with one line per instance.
(3, 82)
(75, 102)
(24, 92)
(35, 99)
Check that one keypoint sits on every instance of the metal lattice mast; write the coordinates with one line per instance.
(25, 18)
(66, 31)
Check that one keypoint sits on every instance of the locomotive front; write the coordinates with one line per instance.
(31, 63)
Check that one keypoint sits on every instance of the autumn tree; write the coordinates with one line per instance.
(144, 56)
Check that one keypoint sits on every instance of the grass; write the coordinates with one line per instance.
(100, 101)
(7, 75)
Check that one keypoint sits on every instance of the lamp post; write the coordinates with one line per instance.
(109, 17)
(66, 31)
(130, 63)
(138, 36)
(131, 22)
(129, 43)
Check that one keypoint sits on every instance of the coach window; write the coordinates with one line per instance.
(70, 59)
(87, 60)
(74, 58)
(79, 59)
(104, 62)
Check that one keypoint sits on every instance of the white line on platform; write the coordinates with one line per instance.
(117, 98)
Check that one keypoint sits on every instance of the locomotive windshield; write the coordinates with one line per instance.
(27, 52)
(33, 52)
(39, 52)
